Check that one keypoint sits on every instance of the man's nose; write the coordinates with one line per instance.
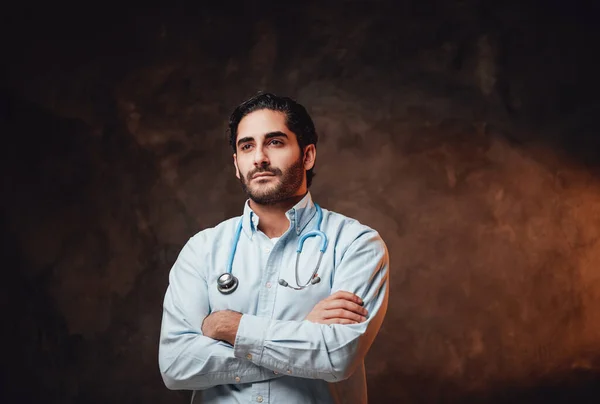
(260, 158)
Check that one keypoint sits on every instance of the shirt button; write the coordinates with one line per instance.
(249, 357)
(237, 379)
(259, 399)
(268, 285)
(267, 250)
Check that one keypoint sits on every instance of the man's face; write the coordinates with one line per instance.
(268, 160)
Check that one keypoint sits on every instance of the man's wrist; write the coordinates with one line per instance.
(222, 325)
(229, 327)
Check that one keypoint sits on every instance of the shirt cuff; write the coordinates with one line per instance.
(250, 338)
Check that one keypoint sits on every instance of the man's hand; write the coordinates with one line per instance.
(222, 325)
(339, 308)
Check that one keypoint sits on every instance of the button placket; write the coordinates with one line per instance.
(266, 299)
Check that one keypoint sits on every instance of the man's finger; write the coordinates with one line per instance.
(338, 321)
(342, 294)
(345, 304)
(343, 313)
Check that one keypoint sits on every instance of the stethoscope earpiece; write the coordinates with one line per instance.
(313, 281)
(227, 283)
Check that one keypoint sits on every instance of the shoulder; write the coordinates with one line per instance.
(351, 232)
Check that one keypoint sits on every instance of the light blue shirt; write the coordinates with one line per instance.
(277, 357)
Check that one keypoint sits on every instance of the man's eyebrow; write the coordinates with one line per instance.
(269, 135)
(244, 140)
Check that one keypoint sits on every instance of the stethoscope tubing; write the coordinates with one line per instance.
(227, 283)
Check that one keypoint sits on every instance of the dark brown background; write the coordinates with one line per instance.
(466, 133)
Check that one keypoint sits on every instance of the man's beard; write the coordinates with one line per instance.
(270, 194)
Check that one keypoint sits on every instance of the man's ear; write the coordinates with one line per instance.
(310, 156)
(237, 169)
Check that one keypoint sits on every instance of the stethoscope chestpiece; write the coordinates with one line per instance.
(227, 283)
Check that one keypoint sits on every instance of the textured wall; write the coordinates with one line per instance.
(466, 135)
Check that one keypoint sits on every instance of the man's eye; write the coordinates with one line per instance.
(245, 147)
(276, 142)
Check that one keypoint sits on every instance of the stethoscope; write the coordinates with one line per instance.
(227, 283)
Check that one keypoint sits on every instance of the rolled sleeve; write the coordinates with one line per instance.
(250, 338)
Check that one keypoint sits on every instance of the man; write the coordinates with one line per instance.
(263, 337)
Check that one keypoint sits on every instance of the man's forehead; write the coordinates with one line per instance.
(259, 124)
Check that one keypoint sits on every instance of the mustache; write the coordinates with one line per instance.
(274, 171)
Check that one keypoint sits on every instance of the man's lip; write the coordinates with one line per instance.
(263, 175)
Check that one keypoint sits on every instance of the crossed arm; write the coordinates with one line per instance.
(327, 345)
(340, 308)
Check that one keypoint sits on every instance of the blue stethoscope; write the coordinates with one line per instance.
(227, 283)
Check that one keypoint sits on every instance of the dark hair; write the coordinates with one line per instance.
(297, 120)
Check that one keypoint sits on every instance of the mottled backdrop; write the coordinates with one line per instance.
(466, 133)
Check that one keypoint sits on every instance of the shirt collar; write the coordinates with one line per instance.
(299, 216)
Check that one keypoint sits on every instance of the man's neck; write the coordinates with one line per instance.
(273, 221)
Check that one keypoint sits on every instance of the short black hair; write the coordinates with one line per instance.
(297, 120)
